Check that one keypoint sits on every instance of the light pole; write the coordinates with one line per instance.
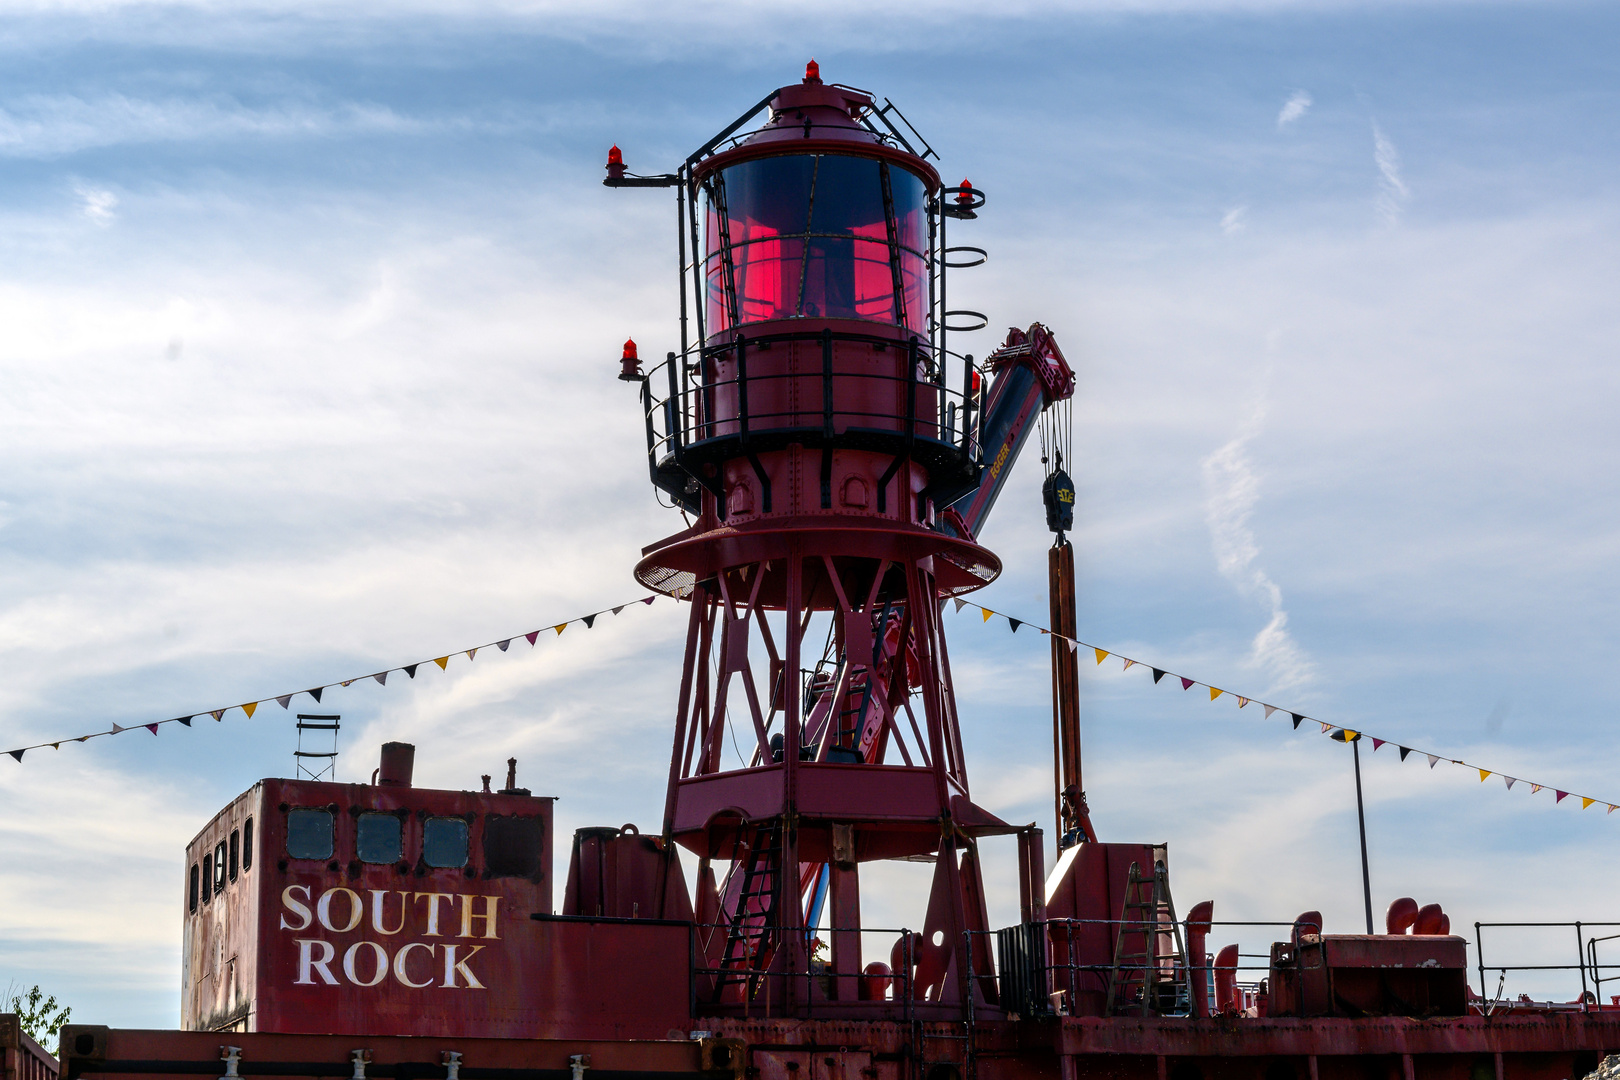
(1361, 820)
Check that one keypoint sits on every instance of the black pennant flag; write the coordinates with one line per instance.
(315, 693)
(1015, 624)
(1404, 752)
(1157, 674)
(409, 669)
(1297, 718)
(186, 720)
(16, 754)
(589, 620)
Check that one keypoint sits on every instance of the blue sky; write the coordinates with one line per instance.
(311, 318)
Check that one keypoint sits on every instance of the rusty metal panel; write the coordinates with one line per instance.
(21, 1058)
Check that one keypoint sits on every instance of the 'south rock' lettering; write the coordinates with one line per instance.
(415, 964)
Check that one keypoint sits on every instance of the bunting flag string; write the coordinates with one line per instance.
(285, 700)
(1337, 734)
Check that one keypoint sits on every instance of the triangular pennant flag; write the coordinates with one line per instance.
(1127, 666)
(1483, 773)
(315, 693)
(1508, 780)
(442, 661)
(502, 645)
(1349, 736)
(1376, 744)
(649, 600)
(1214, 693)
(1325, 727)
(472, 653)
(1297, 718)
(410, 670)
(283, 700)
(152, 728)
(116, 729)
(1612, 808)
(532, 635)
(590, 620)
(1562, 795)
(219, 714)
(1186, 683)
(1014, 623)
(1269, 710)
(560, 627)
(345, 682)
(1534, 788)
(1074, 646)
(1242, 701)
(382, 678)
(1044, 631)
(987, 613)
(1585, 802)
(249, 708)
(960, 604)
(16, 754)
(1404, 751)
(86, 738)
(58, 746)
(186, 720)
(1433, 758)
(1158, 673)
(1102, 654)
(621, 608)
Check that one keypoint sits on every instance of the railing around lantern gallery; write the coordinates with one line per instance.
(725, 402)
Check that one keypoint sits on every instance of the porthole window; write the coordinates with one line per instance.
(208, 878)
(191, 893)
(309, 834)
(247, 845)
(377, 838)
(236, 851)
(219, 867)
(444, 841)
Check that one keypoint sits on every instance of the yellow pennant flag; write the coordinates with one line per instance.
(1585, 802)
(443, 662)
(249, 707)
(560, 627)
(987, 614)
(1242, 701)
(1483, 773)
(1127, 666)
(1102, 654)
(1351, 736)
(1214, 693)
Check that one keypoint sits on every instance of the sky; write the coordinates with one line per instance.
(311, 320)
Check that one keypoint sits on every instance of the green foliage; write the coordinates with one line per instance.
(40, 1018)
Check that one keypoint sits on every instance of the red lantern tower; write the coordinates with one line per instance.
(816, 428)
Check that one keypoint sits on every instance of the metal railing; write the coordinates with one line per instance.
(1591, 971)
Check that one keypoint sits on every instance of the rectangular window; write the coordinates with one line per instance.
(512, 846)
(247, 845)
(191, 904)
(309, 834)
(444, 841)
(208, 878)
(377, 837)
(236, 851)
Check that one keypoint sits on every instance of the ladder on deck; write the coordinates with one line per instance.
(1148, 916)
(751, 936)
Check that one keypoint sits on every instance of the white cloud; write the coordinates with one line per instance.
(1235, 220)
(1231, 490)
(97, 204)
(1392, 190)
(1295, 107)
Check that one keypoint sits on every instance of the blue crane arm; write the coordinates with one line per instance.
(1030, 375)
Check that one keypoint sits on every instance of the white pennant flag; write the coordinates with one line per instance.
(116, 729)
(960, 604)
(1432, 759)
(1509, 781)
(1269, 710)
(1074, 646)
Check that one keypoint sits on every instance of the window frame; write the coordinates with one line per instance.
(331, 825)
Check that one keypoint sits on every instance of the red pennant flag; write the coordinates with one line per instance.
(1562, 795)
(152, 728)
(532, 636)
(1376, 744)
(649, 600)
(1186, 684)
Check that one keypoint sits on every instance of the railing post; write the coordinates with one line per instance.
(1479, 955)
(1580, 958)
(674, 415)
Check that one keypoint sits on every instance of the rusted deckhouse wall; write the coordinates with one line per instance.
(21, 1058)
